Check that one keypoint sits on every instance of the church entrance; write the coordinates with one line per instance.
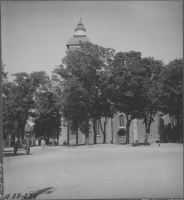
(121, 136)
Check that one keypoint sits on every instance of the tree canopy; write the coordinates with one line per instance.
(91, 84)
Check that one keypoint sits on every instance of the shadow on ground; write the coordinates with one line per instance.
(36, 193)
(10, 153)
(79, 145)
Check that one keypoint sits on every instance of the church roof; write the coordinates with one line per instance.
(80, 26)
(76, 40)
(80, 35)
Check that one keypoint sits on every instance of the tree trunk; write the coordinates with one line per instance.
(181, 129)
(76, 136)
(48, 138)
(112, 130)
(178, 129)
(68, 134)
(104, 139)
(103, 131)
(181, 136)
(146, 136)
(87, 132)
(127, 130)
(94, 130)
(146, 129)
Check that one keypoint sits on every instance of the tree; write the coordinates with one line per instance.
(151, 70)
(125, 85)
(107, 108)
(73, 102)
(171, 95)
(83, 70)
(19, 99)
(5, 84)
(9, 114)
(47, 115)
(4, 74)
(48, 118)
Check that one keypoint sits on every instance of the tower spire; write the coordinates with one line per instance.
(80, 35)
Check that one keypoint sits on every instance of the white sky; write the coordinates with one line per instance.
(35, 33)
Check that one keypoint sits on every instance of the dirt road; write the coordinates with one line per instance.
(96, 171)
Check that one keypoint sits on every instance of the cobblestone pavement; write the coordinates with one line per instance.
(95, 171)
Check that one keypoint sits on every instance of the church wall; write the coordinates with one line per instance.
(118, 133)
(113, 128)
(99, 139)
(153, 137)
(72, 137)
(131, 135)
(108, 132)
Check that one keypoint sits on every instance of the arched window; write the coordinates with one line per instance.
(121, 121)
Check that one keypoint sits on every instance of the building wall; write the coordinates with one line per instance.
(153, 136)
(116, 134)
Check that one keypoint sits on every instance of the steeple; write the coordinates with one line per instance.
(79, 35)
(80, 26)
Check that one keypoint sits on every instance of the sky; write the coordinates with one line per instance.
(35, 33)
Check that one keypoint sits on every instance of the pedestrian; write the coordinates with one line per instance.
(56, 142)
(27, 140)
(43, 143)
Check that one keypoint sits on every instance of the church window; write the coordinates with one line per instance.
(121, 121)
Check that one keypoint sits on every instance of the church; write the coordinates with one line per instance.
(116, 127)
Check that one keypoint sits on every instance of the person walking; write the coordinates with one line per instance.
(43, 143)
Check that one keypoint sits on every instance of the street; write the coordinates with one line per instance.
(96, 171)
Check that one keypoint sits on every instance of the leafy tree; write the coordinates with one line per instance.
(107, 108)
(151, 70)
(73, 102)
(47, 114)
(126, 85)
(171, 95)
(83, 70)
(19, 100)
(4, 83)
(4, 74)
(9, 115)
(48, 119)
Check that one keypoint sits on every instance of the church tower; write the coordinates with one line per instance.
(80, 35)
